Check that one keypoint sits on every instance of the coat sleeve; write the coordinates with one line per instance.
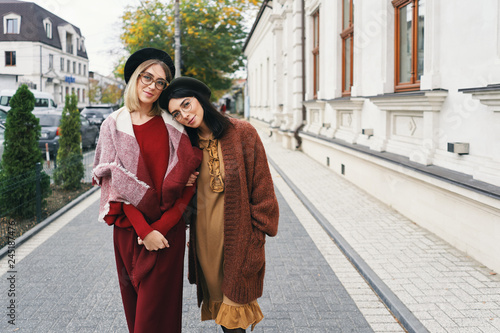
(263, 203)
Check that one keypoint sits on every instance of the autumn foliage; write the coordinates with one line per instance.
(212, 35)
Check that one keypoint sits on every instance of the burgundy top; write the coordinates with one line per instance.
(153, 141)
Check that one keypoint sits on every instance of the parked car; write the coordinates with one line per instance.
(3, 116)
(97, 113)
(50, 122)
(43, 100)
(2, 139)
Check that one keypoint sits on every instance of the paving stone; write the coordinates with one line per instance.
(71, 284)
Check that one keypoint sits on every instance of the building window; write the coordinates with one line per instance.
(62, 64)
(51, 61)
(79, 69)
(409, 43)
(67, 92)
(84, 70)
(48, 29)
(10, 58)
(68, 66)
(315, 52)
(69, 43)
(83, 95)
(347, 45)
(12, 26)
(78, 94)
(74, 67)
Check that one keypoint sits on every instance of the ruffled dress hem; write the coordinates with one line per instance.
(230, 316)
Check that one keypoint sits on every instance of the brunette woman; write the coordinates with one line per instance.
(236, 208)
(143, 162)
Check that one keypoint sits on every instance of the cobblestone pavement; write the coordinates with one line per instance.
(444, 288)
(65, 281)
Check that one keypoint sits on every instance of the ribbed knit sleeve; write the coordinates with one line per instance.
(263, 203)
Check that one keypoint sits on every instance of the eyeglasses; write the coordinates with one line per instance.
(147, 79)
(185, 107)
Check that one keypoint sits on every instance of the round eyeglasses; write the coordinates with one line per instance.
(147, 79)
(185, 107)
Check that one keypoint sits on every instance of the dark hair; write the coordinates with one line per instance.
(215, 121)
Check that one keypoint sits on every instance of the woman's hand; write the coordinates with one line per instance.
(192, 178)
(154, 241)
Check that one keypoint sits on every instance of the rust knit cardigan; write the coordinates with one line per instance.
(250, 213)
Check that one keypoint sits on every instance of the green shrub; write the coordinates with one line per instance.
(21, 154)
(69, 171)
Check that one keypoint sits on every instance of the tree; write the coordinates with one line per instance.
(111, 94)
(213, 33)
(70, 169)
(94, 91)
(21, 154)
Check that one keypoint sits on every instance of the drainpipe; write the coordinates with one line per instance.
(41, 75)
(304, 112)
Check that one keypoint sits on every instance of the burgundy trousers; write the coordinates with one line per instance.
(153, 303)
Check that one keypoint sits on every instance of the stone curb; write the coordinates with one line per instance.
(33, 231)
(393, 303)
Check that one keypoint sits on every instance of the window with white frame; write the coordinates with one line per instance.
(48, 28)
(11, 24)
(62, 64)
(51, 61)
(69, 43)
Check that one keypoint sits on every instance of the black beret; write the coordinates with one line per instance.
(142, 55)
(184, 83)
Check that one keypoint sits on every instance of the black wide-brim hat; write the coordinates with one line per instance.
(142, 55)
(184, 83)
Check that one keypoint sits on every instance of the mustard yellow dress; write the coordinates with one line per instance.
(210, 244)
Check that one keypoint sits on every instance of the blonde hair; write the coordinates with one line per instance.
(131, 98)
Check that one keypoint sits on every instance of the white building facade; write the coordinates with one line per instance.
(42, 50)
(400, 97)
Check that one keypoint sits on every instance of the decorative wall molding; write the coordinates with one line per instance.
(409, 123)
(489, 95)
(346, 120)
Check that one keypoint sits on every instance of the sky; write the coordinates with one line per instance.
(99, 22)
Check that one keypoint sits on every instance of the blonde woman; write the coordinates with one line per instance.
(143, 163)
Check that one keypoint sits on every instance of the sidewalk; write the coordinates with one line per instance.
(446, 290)
(65, 281)
(65, 276)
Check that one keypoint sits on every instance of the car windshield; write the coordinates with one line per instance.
(49, 120)
(42, 102)
(97, 111)
(92, 112)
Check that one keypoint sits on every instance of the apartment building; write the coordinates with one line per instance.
(42, 50)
